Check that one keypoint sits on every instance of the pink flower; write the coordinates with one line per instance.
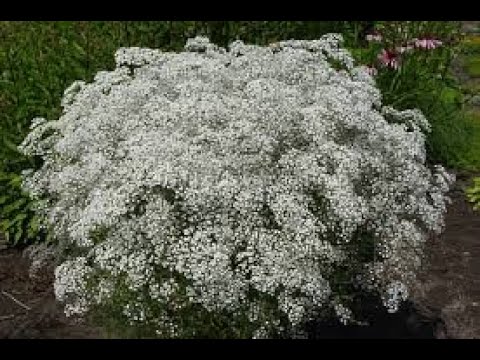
(389, 58)
(427, 43)
(375, 36)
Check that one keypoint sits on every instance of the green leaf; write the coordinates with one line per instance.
(16, 181)
(19, 218)
(33, 227)
(18, 236)
(5, 225)
(5, 176)
(14, 206)
(471, 191)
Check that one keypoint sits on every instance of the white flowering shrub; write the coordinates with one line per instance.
(233, 193)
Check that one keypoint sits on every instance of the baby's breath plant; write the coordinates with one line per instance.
(233, 193)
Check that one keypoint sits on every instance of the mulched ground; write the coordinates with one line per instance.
(450, 284)
(445, 304)
(28, 308)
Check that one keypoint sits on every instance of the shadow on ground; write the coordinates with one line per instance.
(408, 323)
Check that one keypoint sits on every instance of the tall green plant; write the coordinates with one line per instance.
(414, 74)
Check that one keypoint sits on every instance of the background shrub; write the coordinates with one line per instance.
(424, 80)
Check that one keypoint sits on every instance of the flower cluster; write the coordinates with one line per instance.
(225, 179)
(427, 43)
(391, 57)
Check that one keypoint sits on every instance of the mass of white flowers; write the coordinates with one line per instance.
(217, 178)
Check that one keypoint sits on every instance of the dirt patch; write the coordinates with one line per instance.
(28, 308)
(450, 281)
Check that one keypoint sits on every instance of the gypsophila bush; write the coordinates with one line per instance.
(233, 193)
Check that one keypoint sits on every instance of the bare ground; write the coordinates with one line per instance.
(450, 282)
(28, 308)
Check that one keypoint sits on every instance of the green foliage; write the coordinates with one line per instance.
(470, 160)
(19, 222)
(424, 81)
(473, 193)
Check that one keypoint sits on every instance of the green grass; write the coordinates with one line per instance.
(470, 159)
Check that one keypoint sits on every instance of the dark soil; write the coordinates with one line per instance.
(450, 282)
(42, 317)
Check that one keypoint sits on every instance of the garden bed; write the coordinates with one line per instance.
(446, 304)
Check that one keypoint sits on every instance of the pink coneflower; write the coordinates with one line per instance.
(427, 43)
(374, 36)
(389, 58)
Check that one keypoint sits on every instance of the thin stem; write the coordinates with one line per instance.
(18, 302)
